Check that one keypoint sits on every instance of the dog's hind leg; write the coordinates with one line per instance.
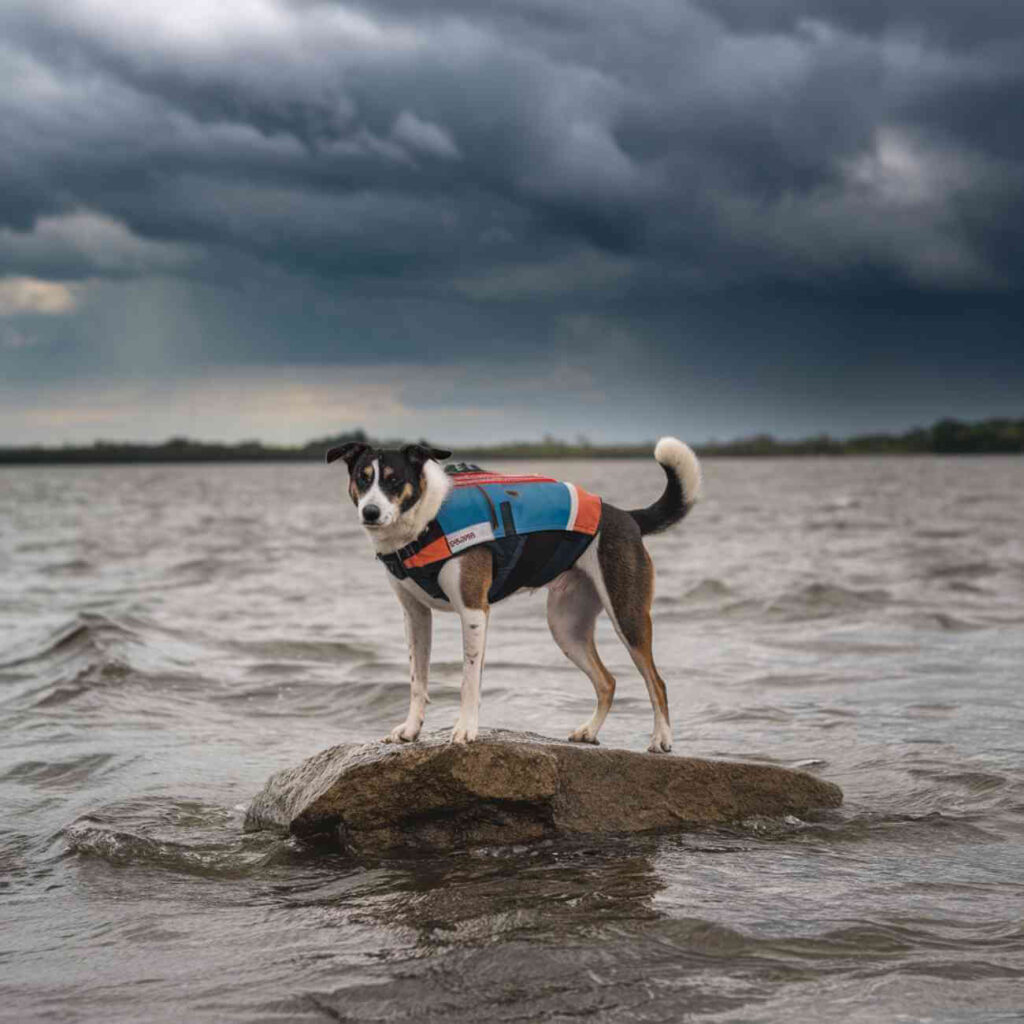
(466, 580)
(643, 657)
(573, 607)
(623, 575)
(418, 635)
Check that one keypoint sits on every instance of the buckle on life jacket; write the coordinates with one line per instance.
(393, 563)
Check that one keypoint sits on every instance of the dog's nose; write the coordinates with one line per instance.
(371, 514)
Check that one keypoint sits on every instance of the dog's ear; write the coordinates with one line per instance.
(419, 453)
(350, 452)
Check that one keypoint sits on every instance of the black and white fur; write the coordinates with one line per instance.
(397, 492)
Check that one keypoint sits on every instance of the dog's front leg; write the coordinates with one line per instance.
(418, 635)
(466, 581)
(474, 640)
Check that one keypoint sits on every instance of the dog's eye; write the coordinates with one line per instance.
(368, 472)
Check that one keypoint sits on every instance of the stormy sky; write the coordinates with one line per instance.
(476, 220)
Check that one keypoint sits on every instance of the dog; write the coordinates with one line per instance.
(446, 547)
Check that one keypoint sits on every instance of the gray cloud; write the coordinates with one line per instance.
(326, 183)
(217, 124)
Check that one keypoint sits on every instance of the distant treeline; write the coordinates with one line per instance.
(947, 437)
(177, 449)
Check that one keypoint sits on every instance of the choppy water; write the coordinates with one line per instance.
(169, 636)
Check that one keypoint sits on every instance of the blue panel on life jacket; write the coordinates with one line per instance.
(531, 507)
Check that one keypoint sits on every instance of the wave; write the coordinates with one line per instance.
(228, 859)
(925, 829)
(179, 835)
(791, 680)
(712, 598)
(351, 698)
(72, 773)
(943, 533)
(204, 568)
(942, 621)
(819, 600)
(93, 652)
(87, 632)
(709, 589)
(73, 567)
(765, 713)
(333, 651)
(87, 652)
(962, 570)
(972, 782)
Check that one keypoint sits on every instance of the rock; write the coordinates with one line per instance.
(510, 787)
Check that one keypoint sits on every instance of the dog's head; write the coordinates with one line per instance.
(389, 486)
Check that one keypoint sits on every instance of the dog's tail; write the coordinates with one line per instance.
(682, 488)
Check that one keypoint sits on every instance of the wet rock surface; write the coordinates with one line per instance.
(510, 787)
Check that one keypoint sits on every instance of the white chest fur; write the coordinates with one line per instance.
(415, 591)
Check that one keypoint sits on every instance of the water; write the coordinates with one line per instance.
(169, 636)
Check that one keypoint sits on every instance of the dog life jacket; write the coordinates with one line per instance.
(535, 527)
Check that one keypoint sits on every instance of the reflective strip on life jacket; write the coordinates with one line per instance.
(476, 479)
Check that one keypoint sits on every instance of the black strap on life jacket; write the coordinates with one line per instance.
(522, 560)
(395, 560)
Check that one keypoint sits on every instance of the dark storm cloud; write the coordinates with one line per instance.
(461, 176)
(951, 24)
(306, 131)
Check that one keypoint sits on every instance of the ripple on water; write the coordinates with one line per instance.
(973, 782)
(304, 696)
(713, 599)
(70, 773)
(72, 567)
(942, 621)
(962, 571)
(336, 652)
(819, 600)
(709, 589)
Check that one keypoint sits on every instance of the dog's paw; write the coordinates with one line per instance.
(584, 735)
(404, 733)
(463, 734)
(661, 743)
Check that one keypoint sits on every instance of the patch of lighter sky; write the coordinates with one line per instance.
(21, 295)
